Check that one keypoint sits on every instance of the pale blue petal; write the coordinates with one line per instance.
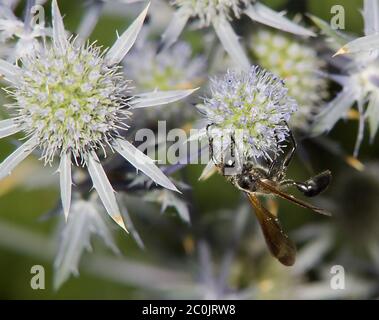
(84, 220)
(341, 80)
(17, 157)
(208, 171)
(104, 188)
(361, 128)
(181, 208)
(334, 111)
(367, 43)
(132, 230)
(65, 182)
(59, 33)
(123, 44)
(262, 14)
(6, 13)
(198, 135)
(156, 98)
(372, 115)
(230, 42)
(170, 200)
(9, 71)
(371, 16)
(174, 29)
(167, 199)
(142, 162)
(89, 21)
(8, 127)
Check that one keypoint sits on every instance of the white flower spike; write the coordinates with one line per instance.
(142, 162)
(8, 127)
(17, 157)
(156, 98)
(262, 14)
(366, 43)
(65, 182)
(59, 33)
(123, 44)
(71, 100)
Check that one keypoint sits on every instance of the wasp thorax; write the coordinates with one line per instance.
(206, 10)
(69, 99)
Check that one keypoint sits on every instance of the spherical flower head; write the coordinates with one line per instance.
(207, 10)
(175, 69)
(69, 99)
(297, 63)
(255, 103)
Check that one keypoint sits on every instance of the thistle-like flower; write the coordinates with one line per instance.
(219, 13)
(359, 78)
(297, 64)
(207, 10)
(71, 101)
(176, 69)
(254, 102)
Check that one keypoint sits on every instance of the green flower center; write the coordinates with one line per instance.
(70, 99)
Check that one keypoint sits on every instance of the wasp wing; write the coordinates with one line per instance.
(272, 189)
(277, 241)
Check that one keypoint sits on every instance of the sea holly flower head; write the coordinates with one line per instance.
(219, 14)
(70, 101)
(298, 65)
(176, 68)
(358, 79)
(257, 104)
(207, 10)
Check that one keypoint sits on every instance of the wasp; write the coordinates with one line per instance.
(255, 179)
